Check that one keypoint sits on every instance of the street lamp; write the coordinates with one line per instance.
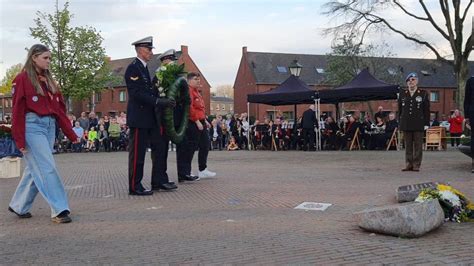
(295, 68)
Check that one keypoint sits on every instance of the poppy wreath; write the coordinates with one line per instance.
(179, 92)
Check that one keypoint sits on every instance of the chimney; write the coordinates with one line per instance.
(244, 49)
(184, 49)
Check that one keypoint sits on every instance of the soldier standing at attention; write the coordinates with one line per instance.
(414, 111)
(144, 128)
(469, 110)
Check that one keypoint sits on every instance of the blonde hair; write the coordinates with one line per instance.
(30, 69)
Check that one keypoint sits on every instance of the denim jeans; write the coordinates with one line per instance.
(40, 173)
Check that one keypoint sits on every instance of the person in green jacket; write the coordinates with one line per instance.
(114, 133)
(91, 138)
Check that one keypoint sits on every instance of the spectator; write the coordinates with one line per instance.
(455, 127)
(84, 121)
(93, 121)
(91, 138)
(114, 134)
(122, 119)
(102, 139)
(76, 147)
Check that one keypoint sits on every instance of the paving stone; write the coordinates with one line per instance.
(412, 219)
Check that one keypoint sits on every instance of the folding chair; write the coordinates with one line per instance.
(393, 140)
(355, 143)
(434, 138)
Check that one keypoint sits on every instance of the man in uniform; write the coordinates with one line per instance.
(144, 128)
(414, 111)
(469, 110)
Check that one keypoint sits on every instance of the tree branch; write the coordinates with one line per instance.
(466, 10)
(431, 20)
(407, 12)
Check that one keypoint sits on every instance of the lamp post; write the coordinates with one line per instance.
(295, 68)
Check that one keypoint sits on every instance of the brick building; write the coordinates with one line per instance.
(221, 105)
(113, 100)
(5, 106)
(260, 71)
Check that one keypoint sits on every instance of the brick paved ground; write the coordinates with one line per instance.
(244, 216)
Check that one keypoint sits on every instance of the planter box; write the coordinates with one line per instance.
(10, 167)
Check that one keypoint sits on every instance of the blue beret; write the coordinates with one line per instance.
(411, 75)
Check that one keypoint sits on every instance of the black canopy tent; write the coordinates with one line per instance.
(364, 87)
(292, 91)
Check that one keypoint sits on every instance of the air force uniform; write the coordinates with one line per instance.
(414, 111)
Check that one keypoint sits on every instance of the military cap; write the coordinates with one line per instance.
(170, 54)
(145, 42)
(411, 75)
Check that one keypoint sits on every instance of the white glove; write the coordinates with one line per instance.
(426, 127)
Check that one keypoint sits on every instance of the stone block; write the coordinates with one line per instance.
(410, 192)
(412, 219)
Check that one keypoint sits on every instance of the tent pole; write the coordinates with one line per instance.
(295, 117)
(248, 131)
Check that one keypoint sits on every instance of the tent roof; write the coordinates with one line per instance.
(364, 87)
(291, 91)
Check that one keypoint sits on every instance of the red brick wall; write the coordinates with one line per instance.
(244, 84)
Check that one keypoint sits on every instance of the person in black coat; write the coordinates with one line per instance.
(309, 123)
(144, 127)
(469, 110)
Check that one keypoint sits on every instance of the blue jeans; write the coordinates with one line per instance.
(40, 173)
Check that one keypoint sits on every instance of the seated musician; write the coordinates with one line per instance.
(390, 126)
(329, 134)
(267, 134)
(351, 129)
(366, 131)
(378, 134)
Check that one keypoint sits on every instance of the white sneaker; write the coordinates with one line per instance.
(206, 173)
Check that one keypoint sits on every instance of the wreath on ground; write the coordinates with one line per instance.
(173, 85)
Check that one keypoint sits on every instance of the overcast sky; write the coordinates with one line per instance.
(214, 30)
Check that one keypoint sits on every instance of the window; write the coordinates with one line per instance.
(231, 107)
(98, 97)
(212, 108)
(282, 69)
(425, 73)
(217, 107)
(6, 103)
(320, 70)
(392, 71)
(122, 96)
(434, 96)
(288, 115)
(454, 96)
(223, 107)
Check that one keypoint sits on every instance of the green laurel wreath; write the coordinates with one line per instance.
(176, 88)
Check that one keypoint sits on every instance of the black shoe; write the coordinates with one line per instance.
(141, 193)
(62, 218)
(166, 187)
(187, 178)
(25, 215)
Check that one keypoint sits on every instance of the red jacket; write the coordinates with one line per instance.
(26, 100)
(455, 124)
(197, 110)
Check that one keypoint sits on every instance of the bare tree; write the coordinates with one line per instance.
(363, 16)
(224, 91)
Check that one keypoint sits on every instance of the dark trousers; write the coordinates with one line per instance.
(457, 140)
(140, 139)
(309, 138)
(195, 139)
(413, 148)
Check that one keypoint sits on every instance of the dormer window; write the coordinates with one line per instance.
(320, 70)
(282, 69)
(425, 73)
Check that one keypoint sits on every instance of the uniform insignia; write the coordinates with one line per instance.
(34, 98)
(418, 99)
(134, 78)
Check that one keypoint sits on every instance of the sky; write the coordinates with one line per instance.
(214, 30)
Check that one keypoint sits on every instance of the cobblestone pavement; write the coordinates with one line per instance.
(244, 216)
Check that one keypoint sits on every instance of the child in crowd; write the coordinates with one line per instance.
(232, 144)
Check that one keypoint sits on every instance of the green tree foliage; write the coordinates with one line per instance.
(348, 58)
(6, 84)
(79, 63)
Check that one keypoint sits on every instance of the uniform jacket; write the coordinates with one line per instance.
(469, 98)
(414, 111)
(142, 95)
(25, 100)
